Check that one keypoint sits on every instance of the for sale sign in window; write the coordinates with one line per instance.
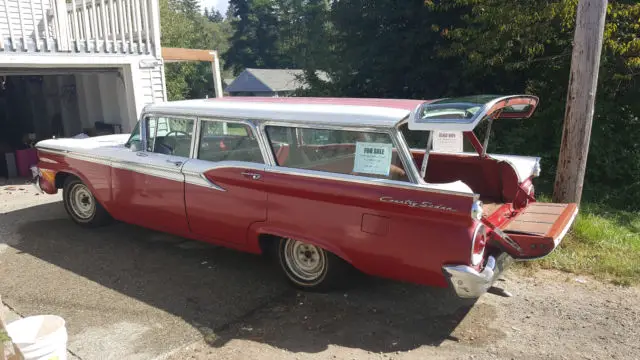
(373, 158)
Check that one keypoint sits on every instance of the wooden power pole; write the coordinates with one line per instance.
(583, 81)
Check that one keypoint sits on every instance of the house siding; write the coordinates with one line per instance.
(152, 84)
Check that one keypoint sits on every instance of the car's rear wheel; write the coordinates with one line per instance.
(81, 205)
(310, 267)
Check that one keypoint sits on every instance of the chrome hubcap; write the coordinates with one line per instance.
(82, 202)
(305, 261)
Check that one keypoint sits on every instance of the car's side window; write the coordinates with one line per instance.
(170, 135)
(228, 141)
(338, 151)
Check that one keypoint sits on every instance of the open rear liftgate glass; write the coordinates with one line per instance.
(537, 229)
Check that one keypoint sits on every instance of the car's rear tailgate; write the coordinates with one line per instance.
(538, 229)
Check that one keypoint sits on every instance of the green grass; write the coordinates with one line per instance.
(603, 242)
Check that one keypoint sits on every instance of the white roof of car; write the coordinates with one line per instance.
(378, 113)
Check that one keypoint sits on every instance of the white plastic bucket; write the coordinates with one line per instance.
(42, 337)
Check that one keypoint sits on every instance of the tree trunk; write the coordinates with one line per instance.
(583, 81)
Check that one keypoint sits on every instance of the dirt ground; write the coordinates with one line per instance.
(551, 315)
(130, 293)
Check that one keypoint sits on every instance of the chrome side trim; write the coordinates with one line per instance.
(198, 179)
(47, 160)
(202, 166)
(148, 169)
(194, 171)
(467, 282)
(358, 180)
(102, 160)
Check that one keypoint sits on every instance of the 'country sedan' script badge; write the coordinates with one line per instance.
(416, 204)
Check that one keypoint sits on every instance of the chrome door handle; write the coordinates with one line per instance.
(251, 175)
(142, 154)
(176, 163)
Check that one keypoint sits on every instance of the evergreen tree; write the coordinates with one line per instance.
(214, 15)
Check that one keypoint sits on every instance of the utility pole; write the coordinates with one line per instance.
(583, 82)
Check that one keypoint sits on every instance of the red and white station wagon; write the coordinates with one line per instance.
(401, 189)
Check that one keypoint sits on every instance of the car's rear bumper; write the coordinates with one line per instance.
(469, 283)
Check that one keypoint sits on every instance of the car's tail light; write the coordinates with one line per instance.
(478, 245)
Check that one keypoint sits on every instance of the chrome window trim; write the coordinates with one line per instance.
(195, 138)
(392, 132)
(204, 112)
(250, 124)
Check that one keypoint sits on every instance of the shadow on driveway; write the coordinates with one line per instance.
(227, 294)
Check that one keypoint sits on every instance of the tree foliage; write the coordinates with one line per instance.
(278, 34)
(430, 49)
(183, 26)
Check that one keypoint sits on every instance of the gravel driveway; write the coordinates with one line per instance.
(129, 293)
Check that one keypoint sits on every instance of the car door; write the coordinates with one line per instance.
(224, 187)
(148, 184)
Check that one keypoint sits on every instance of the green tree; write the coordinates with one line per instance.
(190, 30)
(254, 42)
(431, 49)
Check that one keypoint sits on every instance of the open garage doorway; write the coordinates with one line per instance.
(38, 104)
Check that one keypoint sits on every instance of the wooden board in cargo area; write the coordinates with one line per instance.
(537, 218)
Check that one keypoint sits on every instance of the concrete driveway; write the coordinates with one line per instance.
(130, 293)
(125, 292)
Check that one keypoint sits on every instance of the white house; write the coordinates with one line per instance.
(67, 64)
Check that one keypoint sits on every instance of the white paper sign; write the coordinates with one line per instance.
(448, 141)
(373, 158)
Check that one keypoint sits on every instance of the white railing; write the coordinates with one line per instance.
(107, 26)
(24, 24)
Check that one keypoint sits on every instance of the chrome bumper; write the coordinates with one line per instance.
(469, 283)
(35, 173)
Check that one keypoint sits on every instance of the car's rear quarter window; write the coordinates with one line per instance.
(349, 152)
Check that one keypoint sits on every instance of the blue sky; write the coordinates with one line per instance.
(219, 4)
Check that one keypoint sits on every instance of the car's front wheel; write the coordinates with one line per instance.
(310, 267)
(81, 205)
